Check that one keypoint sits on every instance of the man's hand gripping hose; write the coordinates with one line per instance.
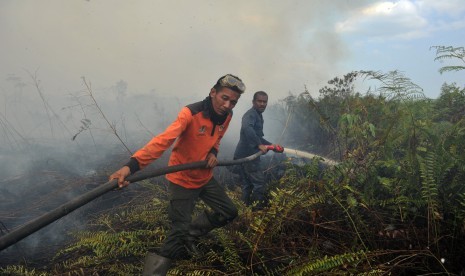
(275, 148)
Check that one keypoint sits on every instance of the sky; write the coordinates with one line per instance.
(398, 35)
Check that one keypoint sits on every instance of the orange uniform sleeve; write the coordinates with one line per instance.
(155, 148)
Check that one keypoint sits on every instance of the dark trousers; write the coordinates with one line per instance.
(181, 207)
(253, 183)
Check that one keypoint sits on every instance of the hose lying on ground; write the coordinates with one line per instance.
(27, 229)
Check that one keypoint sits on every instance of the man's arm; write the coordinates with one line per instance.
(265, 142)
(153, 149)
(248, 122)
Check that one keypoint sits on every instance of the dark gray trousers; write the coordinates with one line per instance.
(181, 207)
(253, 183)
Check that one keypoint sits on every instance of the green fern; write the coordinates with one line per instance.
(449, 52)
(461, 211)
(396, 86)
(231, 259)
(18, 270)
(374, 272)
(326, 264)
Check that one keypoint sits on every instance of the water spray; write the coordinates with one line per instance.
(308, 155)
(302, 154)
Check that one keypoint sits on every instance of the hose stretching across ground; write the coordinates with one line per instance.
(27, 229)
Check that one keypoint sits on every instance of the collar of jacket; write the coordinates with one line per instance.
(209, 112)
(258, 112)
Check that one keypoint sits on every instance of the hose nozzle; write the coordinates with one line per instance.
(275, 148)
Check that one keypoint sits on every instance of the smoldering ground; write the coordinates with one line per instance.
(55, 149)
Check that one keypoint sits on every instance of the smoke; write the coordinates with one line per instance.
(145, 60)
(176, 47)
(141, 62)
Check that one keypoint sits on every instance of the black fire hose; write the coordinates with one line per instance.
(27, 229)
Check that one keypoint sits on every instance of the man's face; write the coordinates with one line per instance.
(224, 100)
(260, 103)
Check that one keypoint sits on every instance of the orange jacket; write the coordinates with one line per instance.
(198, 134)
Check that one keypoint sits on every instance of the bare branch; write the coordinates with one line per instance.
(112, 127)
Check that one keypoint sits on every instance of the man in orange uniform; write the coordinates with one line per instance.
(197, 130)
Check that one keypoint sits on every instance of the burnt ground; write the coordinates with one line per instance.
(47, 184)
(44, 185)
(46, 181)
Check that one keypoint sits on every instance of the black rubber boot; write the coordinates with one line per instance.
(155, 265)
(191, 244)
(200, 226)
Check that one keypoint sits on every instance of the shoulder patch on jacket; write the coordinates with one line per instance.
(196, 107)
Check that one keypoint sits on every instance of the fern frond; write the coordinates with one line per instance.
(231, 259)
(326, 264)
(448, 52)
(451, 68)
(429, 192)
(19, 270)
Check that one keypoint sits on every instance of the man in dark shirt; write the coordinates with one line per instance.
(251, 140)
